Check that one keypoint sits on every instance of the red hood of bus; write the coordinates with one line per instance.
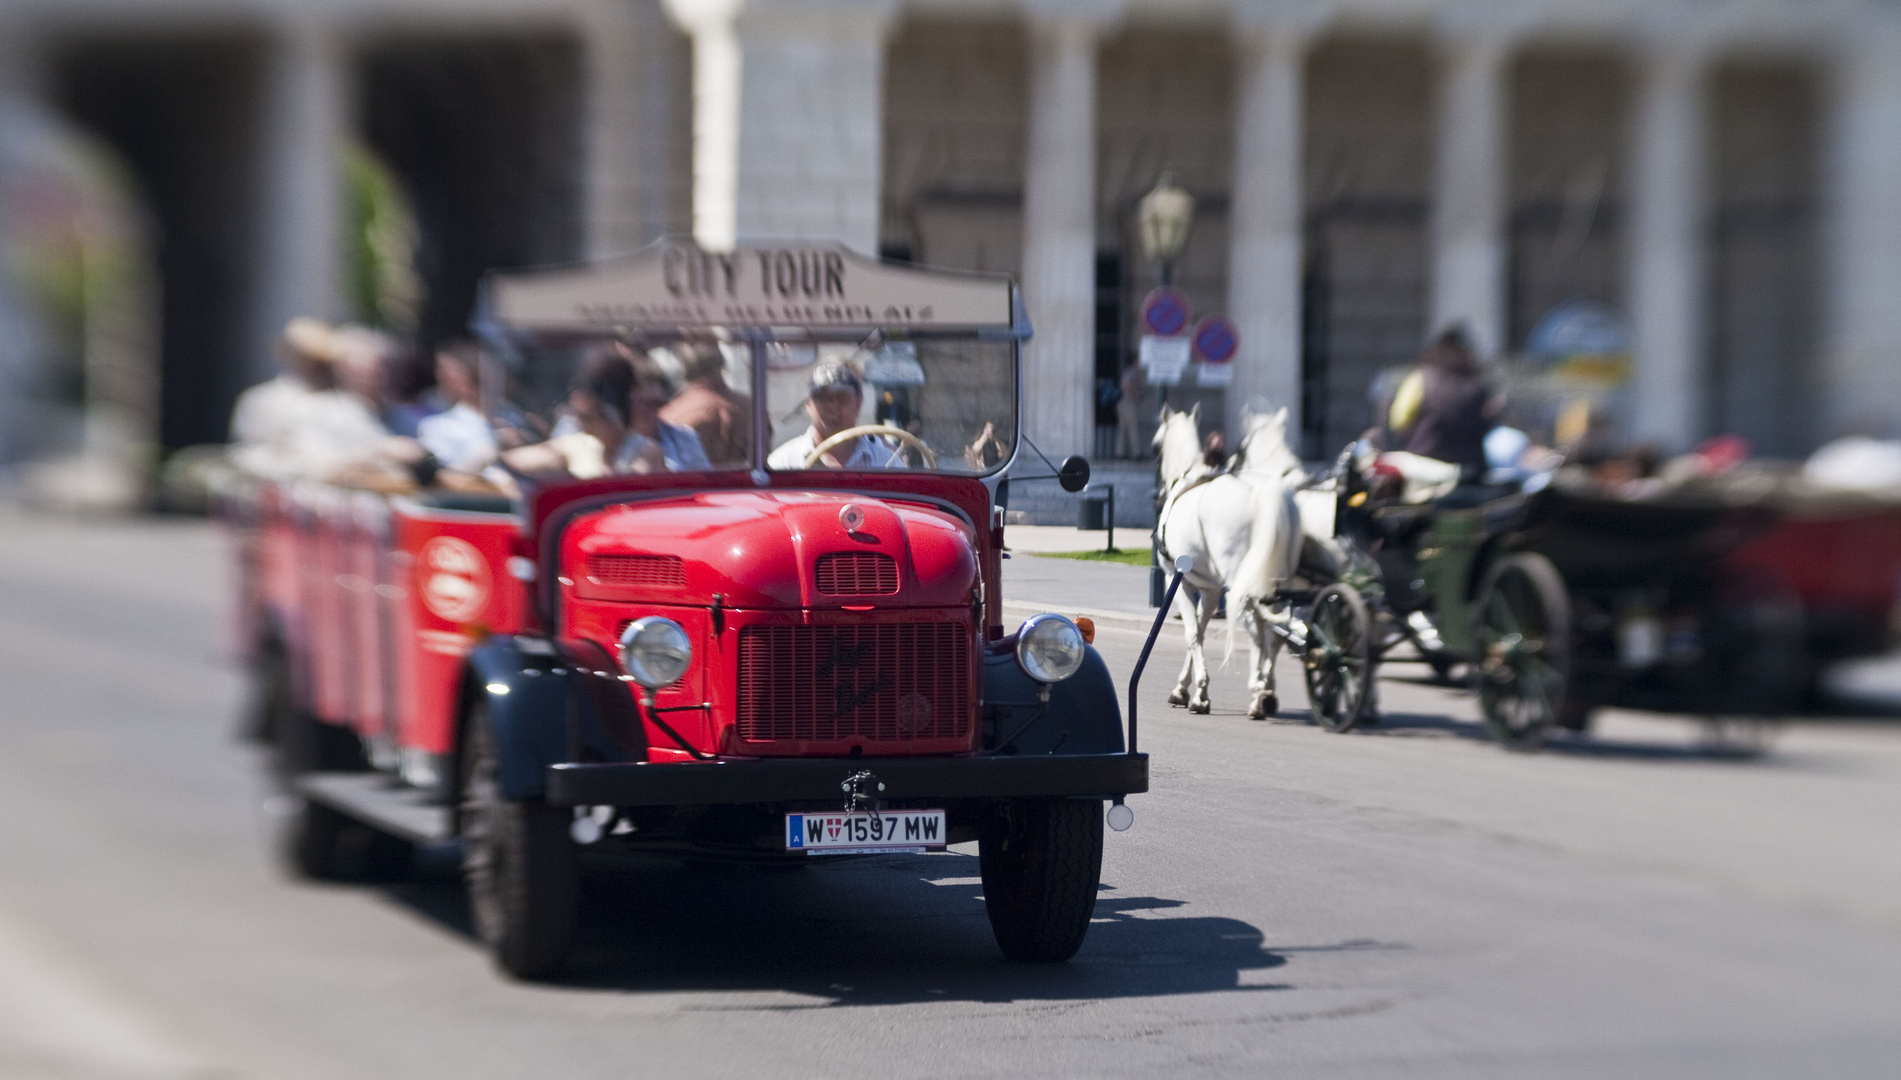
(759, 549)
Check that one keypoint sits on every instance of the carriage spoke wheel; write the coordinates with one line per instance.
(1338, 660)
(1524, 650)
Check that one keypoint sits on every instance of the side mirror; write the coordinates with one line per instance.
(1074, 475)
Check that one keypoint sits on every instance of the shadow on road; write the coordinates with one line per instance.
(1573, 744)
(864, 932)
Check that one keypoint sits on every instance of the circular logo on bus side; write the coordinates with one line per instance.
(454, 577)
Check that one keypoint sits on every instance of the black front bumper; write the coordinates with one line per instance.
(793, 780)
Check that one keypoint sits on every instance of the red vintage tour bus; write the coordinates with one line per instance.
(760, 659)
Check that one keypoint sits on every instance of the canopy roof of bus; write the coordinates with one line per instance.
(794, 290)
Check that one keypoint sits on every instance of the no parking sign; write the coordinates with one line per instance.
(1216, 339)
(1165, 312)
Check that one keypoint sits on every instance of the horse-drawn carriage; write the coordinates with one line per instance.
(1694, 598)
(1243, 532)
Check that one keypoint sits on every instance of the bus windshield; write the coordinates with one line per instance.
(947, 405)
(606, 407)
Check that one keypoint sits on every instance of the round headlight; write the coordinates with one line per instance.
(655, 651)
(1050, 648)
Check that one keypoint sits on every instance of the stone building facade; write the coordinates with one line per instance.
(1725, 174)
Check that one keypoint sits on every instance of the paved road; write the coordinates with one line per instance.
(1408, 902)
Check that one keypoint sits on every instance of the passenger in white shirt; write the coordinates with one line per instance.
(271, 422)
(832, 405)
(460, 437)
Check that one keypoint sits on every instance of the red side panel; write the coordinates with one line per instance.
(451, 572)
(363, 575)
(327, 632)
(277, 580)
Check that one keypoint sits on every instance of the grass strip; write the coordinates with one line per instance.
(1125, 556)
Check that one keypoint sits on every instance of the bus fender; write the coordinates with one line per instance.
(1084, 715)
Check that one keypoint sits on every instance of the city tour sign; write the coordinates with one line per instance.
(677, 285)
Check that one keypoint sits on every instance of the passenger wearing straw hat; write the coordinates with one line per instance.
(268, 422)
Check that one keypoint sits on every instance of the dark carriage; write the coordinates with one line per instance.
(1568, 599)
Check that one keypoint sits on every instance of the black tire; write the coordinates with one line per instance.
(311, 838)
(1338, 661)
(271, 701)
(521, 867)
(1041, 862)
(1523, 634)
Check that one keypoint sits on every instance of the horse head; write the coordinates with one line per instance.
(1178, 442)
(1264, 449)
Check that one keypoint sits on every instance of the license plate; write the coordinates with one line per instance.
(890, 832)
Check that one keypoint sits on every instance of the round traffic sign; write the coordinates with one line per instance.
(1216, 339)
(1165, 311)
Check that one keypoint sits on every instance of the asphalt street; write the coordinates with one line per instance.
(1408, 901)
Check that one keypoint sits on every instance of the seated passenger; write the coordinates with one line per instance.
(1443, 409)
(832, 404)
(268, 417)
(615, 402)
(718, 414)
(594, 419)
(460, 436)
(651, 443)
(317, 423)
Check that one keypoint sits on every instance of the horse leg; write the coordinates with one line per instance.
(1183, 599)
(1261, 703)
(1271, 651)
(1205, 605)
(1264, 645)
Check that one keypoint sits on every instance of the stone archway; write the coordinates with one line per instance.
(181, 112)
(484, 135)
(79, 250)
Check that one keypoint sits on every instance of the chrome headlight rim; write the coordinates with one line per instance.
(655, 651)
(1050, 648)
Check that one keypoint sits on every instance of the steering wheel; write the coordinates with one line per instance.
(874, 431)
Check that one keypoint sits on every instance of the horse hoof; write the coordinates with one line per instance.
(1178, 699)
(1201, 707)
(1268, 706)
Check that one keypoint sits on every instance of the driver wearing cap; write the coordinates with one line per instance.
(832, 404)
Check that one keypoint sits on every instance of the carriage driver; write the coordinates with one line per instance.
(832, 404)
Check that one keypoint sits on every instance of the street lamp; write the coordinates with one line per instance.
(1164, 217)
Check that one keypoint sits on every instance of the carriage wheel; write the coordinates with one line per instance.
(1524, 650)
(1339, 657)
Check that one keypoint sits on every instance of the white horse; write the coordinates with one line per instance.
(1243, 532)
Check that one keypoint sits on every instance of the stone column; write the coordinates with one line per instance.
(1264, 269)
(1469, 194)
(1666, 249)
(637, 79)
(1059, 236)
(301, 271)
(1860, 384)
(787, 118)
